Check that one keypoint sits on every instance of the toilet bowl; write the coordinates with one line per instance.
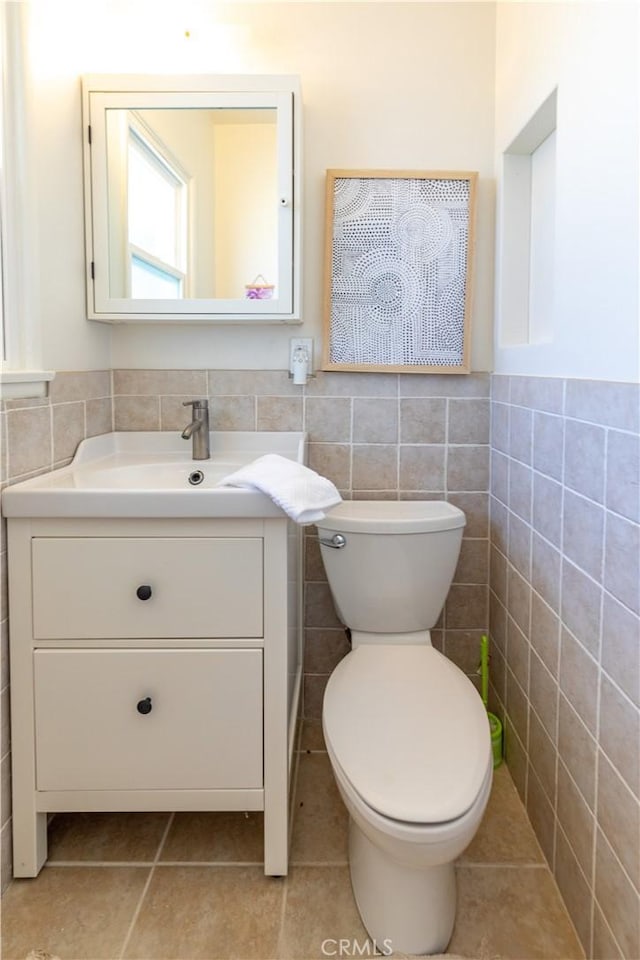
(406, 732)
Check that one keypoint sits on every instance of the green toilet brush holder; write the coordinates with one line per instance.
(495, 724)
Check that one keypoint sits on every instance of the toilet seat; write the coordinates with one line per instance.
(409, 732)
(413, 838)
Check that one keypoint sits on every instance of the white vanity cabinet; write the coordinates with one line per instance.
(155, 665)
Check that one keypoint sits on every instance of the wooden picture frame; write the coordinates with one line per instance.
(399, 270)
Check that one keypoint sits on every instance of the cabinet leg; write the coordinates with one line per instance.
(29, 843)
(276, 846)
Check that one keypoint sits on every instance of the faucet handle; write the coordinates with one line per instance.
(196, 404)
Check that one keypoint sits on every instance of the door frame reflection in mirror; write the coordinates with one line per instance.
(132, 96)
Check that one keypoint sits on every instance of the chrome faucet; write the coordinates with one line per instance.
(198, 429)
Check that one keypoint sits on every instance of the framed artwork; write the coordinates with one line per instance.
(398, 270)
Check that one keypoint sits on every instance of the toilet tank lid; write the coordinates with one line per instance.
(393, 516)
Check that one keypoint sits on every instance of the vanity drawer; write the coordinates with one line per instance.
(144, 588)
(94, 730)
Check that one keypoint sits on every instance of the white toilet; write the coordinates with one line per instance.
(406, 732)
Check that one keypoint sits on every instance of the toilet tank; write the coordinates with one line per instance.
(396, 566)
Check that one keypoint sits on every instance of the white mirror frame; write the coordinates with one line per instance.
(282, 93)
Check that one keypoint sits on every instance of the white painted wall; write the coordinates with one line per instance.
(53, 134)
(590, 51)
(394, 85)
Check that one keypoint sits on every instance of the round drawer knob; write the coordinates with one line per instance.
(143, 592)
(144, 706)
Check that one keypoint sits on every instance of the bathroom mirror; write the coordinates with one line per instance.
(192, 206)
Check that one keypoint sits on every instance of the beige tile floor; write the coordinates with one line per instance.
(190, 885)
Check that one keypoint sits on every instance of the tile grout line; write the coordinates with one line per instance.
(608, 926)
(283, 909)
(499, 865)
(293, 793)
(210, 863)
(529, 578)
(136, 912)
(563, 903)
(561, 625)
(596, 791)
(148, 864)
(320, 863)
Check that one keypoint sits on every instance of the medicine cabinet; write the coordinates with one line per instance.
(192, 198)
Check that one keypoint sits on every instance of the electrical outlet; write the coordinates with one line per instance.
(307, 343)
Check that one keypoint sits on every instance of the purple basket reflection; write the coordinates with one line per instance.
(259, 293)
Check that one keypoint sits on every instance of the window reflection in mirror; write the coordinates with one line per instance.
(192, 201)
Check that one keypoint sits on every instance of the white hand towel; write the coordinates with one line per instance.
(302, 493)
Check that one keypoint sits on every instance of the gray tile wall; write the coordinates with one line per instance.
(563, 563)
(37, 436)
(376, 436)
(565, 635)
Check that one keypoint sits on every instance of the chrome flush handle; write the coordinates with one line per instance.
(337, 541)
